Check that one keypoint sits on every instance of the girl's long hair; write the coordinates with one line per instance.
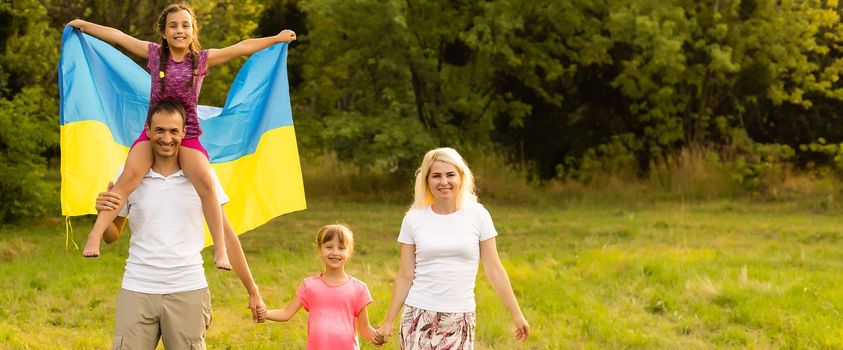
(193, 48)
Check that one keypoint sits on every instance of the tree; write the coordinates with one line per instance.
(28, 117)
(27, 130)
(359, 97)
(654, 77)
(223, 23)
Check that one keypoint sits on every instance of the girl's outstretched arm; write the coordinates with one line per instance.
(497, 276)
(113, 36)
(247, 47)
(285, 314)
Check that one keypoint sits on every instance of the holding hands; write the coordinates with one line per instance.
(258, 309)
(382, 334)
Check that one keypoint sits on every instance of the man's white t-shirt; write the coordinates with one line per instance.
(447, 255)
(166, 219)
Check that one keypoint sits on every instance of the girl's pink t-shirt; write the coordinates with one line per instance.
(332, 312)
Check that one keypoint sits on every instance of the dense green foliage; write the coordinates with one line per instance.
(28, 111)
(563, 89)
(571, 88)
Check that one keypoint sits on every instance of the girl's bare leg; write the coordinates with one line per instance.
(198, 170)
(137, 165)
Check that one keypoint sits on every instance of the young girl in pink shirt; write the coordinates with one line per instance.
(335, 302)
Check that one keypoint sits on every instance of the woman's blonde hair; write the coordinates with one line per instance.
(423, 197)
(342, 232)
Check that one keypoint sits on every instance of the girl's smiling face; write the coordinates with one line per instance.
(178, 29)
(334, 254)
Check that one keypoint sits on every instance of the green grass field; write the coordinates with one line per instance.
(648, 275)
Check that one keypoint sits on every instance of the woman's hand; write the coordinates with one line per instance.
(522, 329)
(382, 334)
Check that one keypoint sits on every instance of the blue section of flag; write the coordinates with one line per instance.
(98, 82)
(258, 101)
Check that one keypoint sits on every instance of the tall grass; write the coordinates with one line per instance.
(690, 174)
(616, 275)
(327, 176)
(614, 263)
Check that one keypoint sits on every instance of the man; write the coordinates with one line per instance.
(164, 293)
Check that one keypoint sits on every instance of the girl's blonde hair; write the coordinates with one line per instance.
(342, 232)
(423, 197)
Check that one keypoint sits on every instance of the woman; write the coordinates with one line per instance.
(443, 237)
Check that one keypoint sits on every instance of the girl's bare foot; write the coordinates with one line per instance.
(221, 259)
(92, 247)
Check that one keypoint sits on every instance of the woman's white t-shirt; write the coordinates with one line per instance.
(447, 255)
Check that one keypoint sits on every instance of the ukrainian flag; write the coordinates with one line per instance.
(104, 98)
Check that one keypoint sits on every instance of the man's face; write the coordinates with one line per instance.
(165, 132)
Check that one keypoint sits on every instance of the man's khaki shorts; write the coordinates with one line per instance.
(180, 319)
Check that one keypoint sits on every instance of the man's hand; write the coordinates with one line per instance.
(258, 308)
(107, 201)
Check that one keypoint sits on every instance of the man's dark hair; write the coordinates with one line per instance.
(165, 106)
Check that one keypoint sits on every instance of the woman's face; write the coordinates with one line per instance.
(444, 181)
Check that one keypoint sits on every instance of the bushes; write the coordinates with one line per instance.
(741, 167)
(27, 136)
